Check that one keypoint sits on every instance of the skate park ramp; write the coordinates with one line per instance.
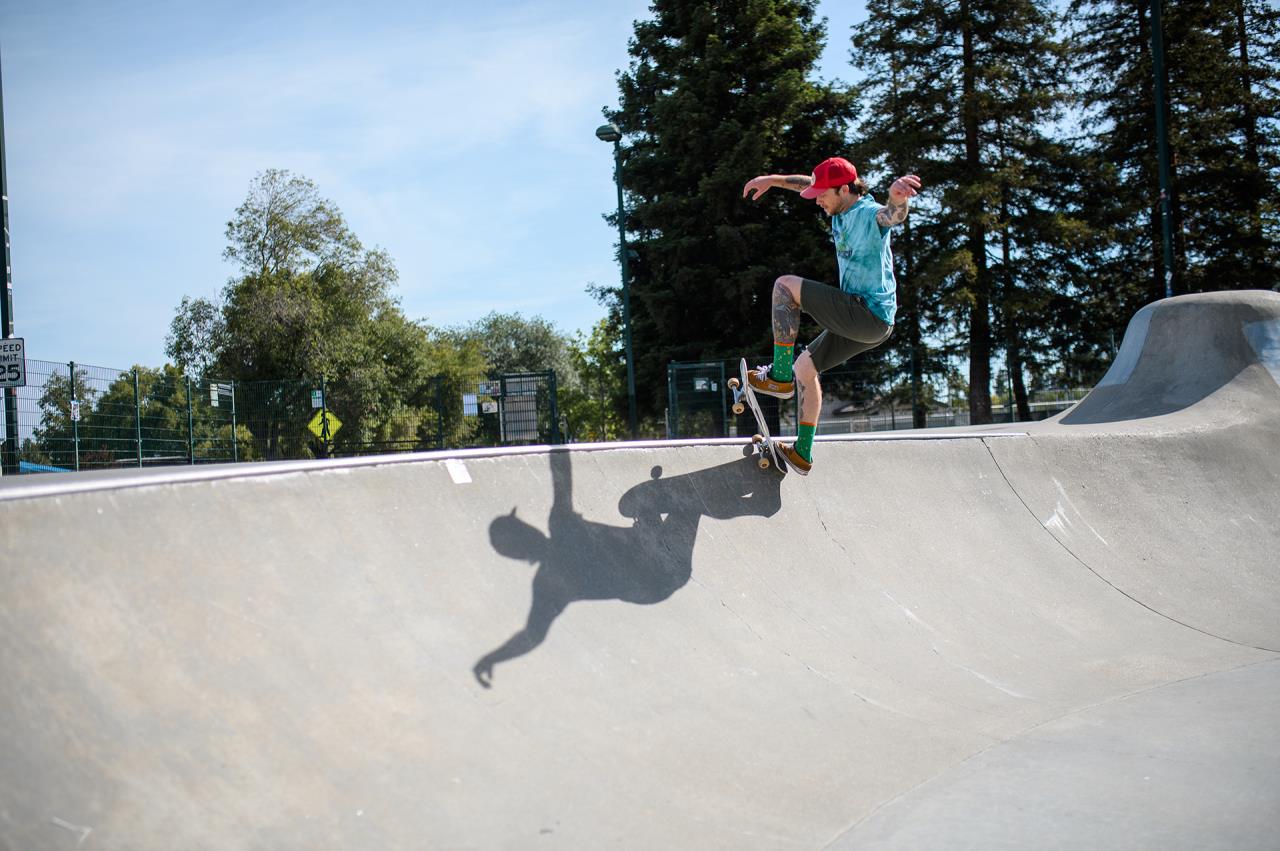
(1050, 635)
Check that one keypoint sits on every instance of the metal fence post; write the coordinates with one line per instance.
(724, 405)
(673, 405)
(191, 427)
(137, 414)
(75, 416)
(439, 382)
(502, 409)
(555, 408)
(235, 449)
(325, 437)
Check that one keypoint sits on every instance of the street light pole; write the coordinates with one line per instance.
(1162, 146)
(9, 459)
(611, 133)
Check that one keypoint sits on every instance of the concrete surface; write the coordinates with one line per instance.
(1063, 635)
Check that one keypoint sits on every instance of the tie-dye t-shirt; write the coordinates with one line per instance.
(865, 258)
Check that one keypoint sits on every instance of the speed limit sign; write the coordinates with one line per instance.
(13, 362)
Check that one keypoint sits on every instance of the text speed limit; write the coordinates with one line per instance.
(13, 362)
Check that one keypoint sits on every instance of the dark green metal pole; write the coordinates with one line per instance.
(75, 417)
(191, 427)
(9, 462)
(555, 406)
(673, 403)
(324, 417)
(626, 291)
(439, 382)
(1162, 145)
(137, 415)
(235, 447)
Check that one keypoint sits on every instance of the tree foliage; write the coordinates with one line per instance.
(1222, 61)
(310, 303)
(511, 343)
(153, 414)
(965, 92)
(594, 408)
(717, 93)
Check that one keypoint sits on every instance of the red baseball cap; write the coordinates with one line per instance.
(836, 171)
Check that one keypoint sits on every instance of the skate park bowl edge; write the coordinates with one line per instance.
(1062, 634)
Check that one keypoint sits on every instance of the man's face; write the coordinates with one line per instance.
(834, 201)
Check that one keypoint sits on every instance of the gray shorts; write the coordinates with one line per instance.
(850, 327)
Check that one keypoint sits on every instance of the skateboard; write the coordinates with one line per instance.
(762, 442)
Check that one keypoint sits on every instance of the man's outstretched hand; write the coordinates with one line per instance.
(903, 188)
(757, 186)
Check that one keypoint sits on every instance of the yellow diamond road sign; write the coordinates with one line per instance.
(317, 424)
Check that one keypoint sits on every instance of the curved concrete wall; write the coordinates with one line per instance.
(1061, 637)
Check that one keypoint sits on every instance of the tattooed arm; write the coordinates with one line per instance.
(762, 184)
(900, 194)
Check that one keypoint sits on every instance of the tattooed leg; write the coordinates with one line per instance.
(786, 325)
(810, 389)
(786, 309)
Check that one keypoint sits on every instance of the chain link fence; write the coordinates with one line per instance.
(73, 417)
(855, 399)
(79, 417)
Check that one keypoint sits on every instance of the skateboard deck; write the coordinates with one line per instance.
(762, 442)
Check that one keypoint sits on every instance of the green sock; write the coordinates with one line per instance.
(782, 353)
(804, 440)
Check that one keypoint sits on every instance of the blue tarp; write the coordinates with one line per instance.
(28, 467)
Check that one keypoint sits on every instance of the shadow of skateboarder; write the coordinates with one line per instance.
(644, 563)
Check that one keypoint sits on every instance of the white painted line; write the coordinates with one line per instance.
(457, 471)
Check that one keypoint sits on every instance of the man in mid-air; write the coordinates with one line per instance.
(855, 316)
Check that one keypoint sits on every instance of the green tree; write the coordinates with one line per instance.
(196, 334)
(284, 227)
(53, 439)
(1222, 66)
(146, 403)
(310, 303)
(717, 93)
(595, 409)
(967, 89)
(455, 366)
(904, 118)
(511, 343)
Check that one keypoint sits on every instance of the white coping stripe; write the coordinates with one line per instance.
(58, 485)
(457, 471)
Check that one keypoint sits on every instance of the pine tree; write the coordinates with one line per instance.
(1222, 80)
(901, 117)
(1223, 94)
(716, 94)
(966, 90)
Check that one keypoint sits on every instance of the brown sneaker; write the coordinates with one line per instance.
(794, 459)
(760, 382)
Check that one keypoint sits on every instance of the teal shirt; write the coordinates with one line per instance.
(865, 258)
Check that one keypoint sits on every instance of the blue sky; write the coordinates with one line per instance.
(444, 132)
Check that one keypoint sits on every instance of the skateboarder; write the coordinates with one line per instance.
(857, 315)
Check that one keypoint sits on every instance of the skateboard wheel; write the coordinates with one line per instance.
(734, 384)
(757, 438)
(738, 408)
(764, 462)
